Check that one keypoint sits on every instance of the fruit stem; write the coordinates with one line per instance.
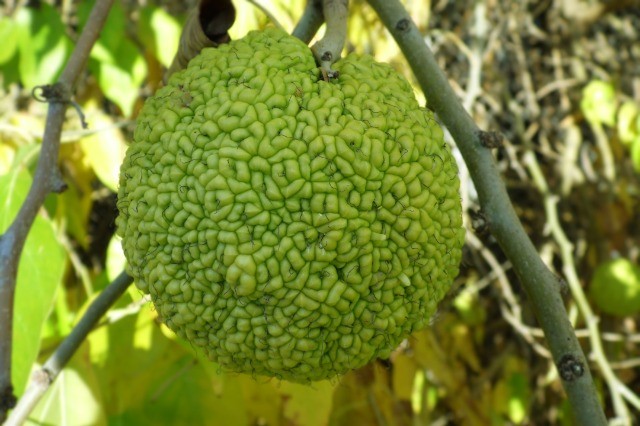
(328, 49)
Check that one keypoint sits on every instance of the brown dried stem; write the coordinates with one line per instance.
(206, 26)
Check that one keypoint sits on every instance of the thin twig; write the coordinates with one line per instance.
(541, 284)
(43, 378)
(47, 179)
(512, 314)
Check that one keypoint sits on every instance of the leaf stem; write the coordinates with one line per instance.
(541, 285)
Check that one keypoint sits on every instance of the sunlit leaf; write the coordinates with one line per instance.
(306, 405)
(160, 32)
(417, 392)
(40, 272)
(7, 154)
(248, 19)
(148, 379)
(9, 34)
(121, 80)
(43, 45)
(518, 397)
(265, 405)
(74, 398)
(115, 258)
(112, 33)
(353, 399)
(116, 60)
(105, 149)
(74, 206)
(404, 372)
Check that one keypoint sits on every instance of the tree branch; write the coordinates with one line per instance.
(541, 285)
(311, 20)
(43, 378)
(47, 179)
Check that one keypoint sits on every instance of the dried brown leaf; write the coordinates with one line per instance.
(207, 26)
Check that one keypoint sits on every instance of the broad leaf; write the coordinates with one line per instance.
(74, 398)
(40, 272)
(104, 150)
(43, 45)
(160, 33)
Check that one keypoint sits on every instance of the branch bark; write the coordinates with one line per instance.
(43, 378)
(47, 179)
(541, 285)
(311, 20)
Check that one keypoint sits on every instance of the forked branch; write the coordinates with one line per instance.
(541, 285)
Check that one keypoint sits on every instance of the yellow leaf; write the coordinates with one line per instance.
(104, 150)
(404, 373)
(306, 405)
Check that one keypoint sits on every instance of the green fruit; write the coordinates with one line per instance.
(628, 122)
(598, 102)
(286, 225)
(615, 287)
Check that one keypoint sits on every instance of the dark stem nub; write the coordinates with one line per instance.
(402, 25)
(491, 139)
(7, 399)
(570, 368)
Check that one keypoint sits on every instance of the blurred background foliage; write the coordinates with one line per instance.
(560, 79)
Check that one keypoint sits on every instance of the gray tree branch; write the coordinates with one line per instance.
(311, 20)
(43, 378)
(47, 179)
(541, 285)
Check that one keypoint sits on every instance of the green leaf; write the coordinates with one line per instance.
(74, 398)
(635, 153)
(40, 272)
(121, 80)
(116, 261)
(9, 34)
(518, 397)
(43, 45)
(149, 379)
(160, 33)
(111, 36)
(115, 59)
(306, 405)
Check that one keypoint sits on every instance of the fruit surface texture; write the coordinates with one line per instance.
(286, 225)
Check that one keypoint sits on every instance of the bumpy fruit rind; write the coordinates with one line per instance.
(285, 225)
